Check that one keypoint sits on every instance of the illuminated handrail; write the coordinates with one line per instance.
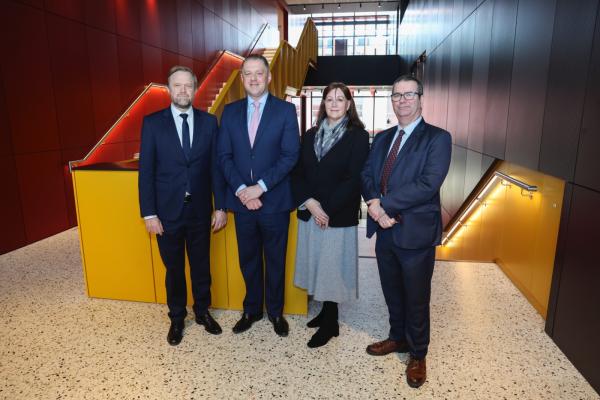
(506, 180)
(116, 123)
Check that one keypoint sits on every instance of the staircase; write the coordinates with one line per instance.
(269, 54)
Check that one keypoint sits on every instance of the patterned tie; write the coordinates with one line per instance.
(185, 136)
(389, 162)
(254, 122)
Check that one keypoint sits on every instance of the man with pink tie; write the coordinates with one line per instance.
(257, 148)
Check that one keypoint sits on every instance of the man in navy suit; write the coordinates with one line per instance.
(257, 148)
(400, 182)
(178, 174)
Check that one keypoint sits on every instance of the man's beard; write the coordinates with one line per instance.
(183, 102)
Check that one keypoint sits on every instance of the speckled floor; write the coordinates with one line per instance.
(487, 343)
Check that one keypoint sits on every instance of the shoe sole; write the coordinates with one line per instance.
(415, 385)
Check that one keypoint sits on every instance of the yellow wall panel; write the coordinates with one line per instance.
(115, 245)
(519, 233)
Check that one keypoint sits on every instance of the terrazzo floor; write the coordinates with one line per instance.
(56, 343)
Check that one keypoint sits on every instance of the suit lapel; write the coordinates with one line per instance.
(198, 129)
(244, 121)
(171, 130)
(410, 143)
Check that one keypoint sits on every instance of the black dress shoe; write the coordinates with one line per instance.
(280, 325)
(175, 333)
(246, 322)
(209, 323)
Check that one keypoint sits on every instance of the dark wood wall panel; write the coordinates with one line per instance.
(13, 233)
(465, 77)
(103, 64)
(128, 18)
(70, 68)
(42, 194)
(25, 54)
(73, 9)
(131, 75)
(567, 78)
(533, 39)
(499, 78)
(101, 14)
(70, 76)
(184, 27)
(587, 171)
(577, 321)
(479, 82)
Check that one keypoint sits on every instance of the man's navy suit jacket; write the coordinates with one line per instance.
(413, 188)
(164, 171)
(274, 154)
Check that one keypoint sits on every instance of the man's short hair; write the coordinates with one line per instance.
(256, 57)
(178, 68)
(409, 78)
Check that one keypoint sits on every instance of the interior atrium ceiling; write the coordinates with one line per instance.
(342, 6)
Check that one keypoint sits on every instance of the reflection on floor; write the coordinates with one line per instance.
(487, 343)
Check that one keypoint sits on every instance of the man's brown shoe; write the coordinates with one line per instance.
(416, 372)
(386, 347)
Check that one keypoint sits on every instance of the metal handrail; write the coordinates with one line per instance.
(121, 117)
(479, 200)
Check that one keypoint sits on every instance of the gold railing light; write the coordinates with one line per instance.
(479, 200)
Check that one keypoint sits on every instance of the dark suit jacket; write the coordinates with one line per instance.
(163, 169)
(271, 159)
(413, 190)
(335, 180)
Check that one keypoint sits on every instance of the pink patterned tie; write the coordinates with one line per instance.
(254, 122)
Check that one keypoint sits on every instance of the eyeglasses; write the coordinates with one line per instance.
(406, 95)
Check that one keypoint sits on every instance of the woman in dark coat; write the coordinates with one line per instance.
(326, 186)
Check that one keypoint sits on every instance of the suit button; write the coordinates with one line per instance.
(252, 157)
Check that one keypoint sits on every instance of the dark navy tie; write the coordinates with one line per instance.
(185, 136)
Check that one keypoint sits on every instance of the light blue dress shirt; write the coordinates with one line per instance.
(408, 130)
(179, 122)
(262, 101)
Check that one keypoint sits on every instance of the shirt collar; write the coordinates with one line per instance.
(262, 100)
(176, 111)
(408, 129)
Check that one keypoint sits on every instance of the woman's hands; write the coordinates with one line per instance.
(320, 217)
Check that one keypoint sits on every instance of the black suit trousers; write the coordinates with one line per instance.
(191, 233)
(406, 282)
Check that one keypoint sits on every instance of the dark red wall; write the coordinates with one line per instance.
(70, 67)
(519, 80)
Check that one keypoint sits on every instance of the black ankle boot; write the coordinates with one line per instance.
(329, 326)
(316, 321)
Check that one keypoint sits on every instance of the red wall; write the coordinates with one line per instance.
(70, 67)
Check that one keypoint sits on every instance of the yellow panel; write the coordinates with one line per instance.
(517, 232)
(235, 280)
(295, 300)
(218, 273)
(115, 245)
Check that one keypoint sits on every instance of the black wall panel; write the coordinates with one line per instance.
(499, 78)
(535, 19)
(587, 172)
(567, 78)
